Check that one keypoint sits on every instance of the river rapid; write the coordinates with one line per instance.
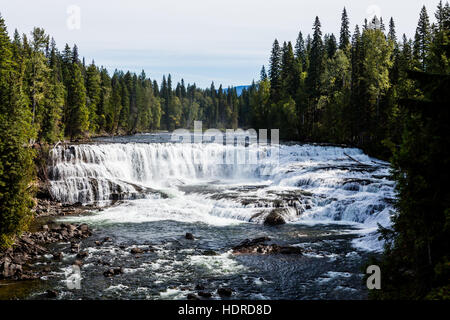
(154, 191)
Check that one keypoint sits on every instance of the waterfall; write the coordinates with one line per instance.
(311, 182)
(86, 173)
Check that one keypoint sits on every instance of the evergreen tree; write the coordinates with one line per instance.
(263, 74)
(16, 157)
(344, 38)
(392, 35)
(316, 62)
(300, 51)
(93, 89)
(422, 39)
(77, 113)
(274, 71)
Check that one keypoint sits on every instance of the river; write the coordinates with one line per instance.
(154, 191)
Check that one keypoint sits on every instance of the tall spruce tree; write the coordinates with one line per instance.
(274, 71)
(344, 38)
(422, 39)
(77, 123)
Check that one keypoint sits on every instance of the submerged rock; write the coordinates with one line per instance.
(210, 253)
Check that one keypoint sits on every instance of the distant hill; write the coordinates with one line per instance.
(238, 89)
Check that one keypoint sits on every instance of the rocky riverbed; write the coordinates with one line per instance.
(46, 238)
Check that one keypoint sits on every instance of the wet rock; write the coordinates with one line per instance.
(20, 258)
(82, 254)
(274, 218)
(199, 287)
(83, 227)
(105, 263)
(58, 256)
(192, 296)
(249, 243)
(258, 246)
(107, 239)
(204, 294)
(55, 228)
(290, 250)
(210, 253)
(136, 250)
(113, 272)
(225, 292)
(98, 243)
(189, 236)
(52, 293)
(30, 246)
(78, 263)
(9, 269)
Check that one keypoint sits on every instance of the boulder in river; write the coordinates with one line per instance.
(113, 271)
(136, 250)
(225, 292)
(204, 294)
(258, 246)
(210, 253)
(189, 236)
(192, 296)
(274, 218)
(82, 254)
(52, 293)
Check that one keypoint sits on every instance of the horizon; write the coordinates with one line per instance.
(199, 42)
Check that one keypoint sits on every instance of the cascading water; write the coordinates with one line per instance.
(331, 199)
(311, 182)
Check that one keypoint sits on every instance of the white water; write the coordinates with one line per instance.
(314, 184)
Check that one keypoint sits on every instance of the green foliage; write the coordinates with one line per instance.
(416, 262)
(16, 161)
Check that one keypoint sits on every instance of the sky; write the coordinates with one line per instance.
(199, 40)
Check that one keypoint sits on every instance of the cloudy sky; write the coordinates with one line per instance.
(199, 40)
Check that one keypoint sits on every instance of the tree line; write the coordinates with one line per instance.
(345, 88)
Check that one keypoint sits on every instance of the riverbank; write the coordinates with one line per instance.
(34, 253)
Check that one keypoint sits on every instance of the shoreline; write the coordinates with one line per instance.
(20, 265)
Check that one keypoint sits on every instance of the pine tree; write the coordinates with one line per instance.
(392, 35)
(330, 45)
(300, 51)
(93, 95)
(315, 63)
(77, 118)
(274, 71)
(263, 74)
(16, 157)
(422, 39)
(344, 39)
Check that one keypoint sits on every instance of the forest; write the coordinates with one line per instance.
(367, 87)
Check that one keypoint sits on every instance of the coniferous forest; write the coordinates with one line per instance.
(366, 87)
